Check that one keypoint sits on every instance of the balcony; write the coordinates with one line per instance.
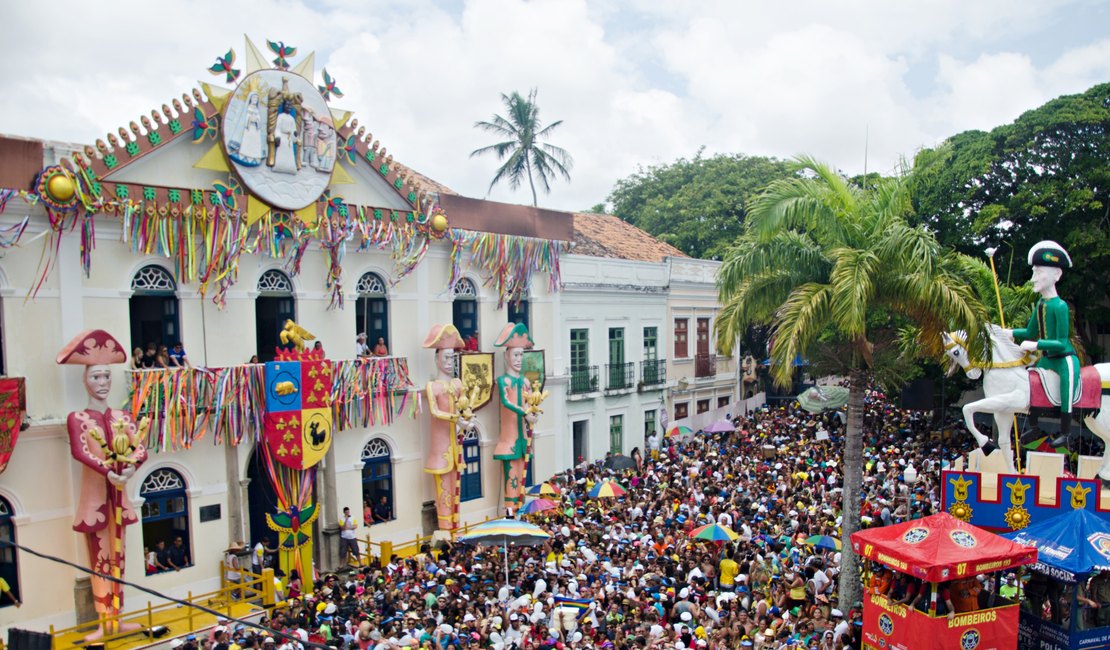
(654, 372)
(620, 376)
(583, 380)
(705, 365)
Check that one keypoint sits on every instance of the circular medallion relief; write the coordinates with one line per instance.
(278, 134)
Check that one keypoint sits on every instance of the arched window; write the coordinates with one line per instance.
(464, 309)
(274, 305)
(9, 560)
(166, 519)
(377, 481)
(154, 308)
(470, 486)
(372, 310)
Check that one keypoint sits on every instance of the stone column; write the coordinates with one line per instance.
(328, 501)
(236, 531)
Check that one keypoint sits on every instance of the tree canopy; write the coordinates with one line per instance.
(696, 205)
(1045, 176)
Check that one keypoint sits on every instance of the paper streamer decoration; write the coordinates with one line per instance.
(185, 404)
(509, 261)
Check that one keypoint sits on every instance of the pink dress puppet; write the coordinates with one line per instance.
(109, 447)
(444, 444)
(514, 446)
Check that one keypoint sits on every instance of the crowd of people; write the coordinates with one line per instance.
(159, 357)
(624, 573)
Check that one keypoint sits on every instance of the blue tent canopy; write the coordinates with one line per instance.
(1069, 546)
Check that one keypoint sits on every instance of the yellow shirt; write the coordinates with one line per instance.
(729, 569)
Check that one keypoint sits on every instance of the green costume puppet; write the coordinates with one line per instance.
(1049, 329)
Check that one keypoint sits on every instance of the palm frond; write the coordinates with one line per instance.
(852, 279)
(797, 323)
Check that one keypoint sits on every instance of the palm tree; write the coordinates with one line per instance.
(527, 155)
(820, 256)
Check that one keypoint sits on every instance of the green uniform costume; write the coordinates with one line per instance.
(1050, 327)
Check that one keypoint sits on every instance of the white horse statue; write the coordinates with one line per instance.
(1006, 385)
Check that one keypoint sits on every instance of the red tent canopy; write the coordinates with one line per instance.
(940, 548)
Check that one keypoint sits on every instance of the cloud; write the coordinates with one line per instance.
(633, 85)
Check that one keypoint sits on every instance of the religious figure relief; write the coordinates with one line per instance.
(109, 446)
(280, 139)
(283, 128)
(248, 149)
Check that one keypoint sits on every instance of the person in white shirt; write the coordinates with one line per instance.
(348, 544)
(361, 348)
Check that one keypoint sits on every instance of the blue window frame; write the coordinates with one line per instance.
(470, 486)
(165, 510)
(377, 477)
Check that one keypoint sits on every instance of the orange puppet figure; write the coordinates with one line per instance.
(109, 447)
(444, 444)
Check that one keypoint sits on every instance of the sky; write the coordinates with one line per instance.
(852, 82)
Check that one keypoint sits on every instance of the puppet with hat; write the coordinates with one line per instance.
(444, 446)
(1049, 328)
(109, 446)
(514, 446)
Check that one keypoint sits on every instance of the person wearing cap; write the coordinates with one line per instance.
(514, 446)
(443, 458)
(109, 446)
(361, 349)
(1049, 329)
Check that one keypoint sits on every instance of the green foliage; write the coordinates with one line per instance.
(823, 258)
(1045, 176)
(698, 205)
(523, 147)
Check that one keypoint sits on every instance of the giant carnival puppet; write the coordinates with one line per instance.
(520, 408)
(109, 445)
(450, 418)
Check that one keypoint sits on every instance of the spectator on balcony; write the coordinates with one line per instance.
(472, 342)
(318, 346)
(178, 358)
(177, 556)
(136, 359)
(162, 359)
(253, 359)
(380, 348)
(361, 349)
(150, 357)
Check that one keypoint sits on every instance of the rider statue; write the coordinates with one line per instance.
(1049, 329)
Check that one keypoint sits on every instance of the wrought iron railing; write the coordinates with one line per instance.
(583, 380)
(620, 375)
(653, 372)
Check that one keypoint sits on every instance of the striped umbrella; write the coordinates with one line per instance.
(678, 431)
(537, 505)
(823, 541)
(544, 488)
(607, 489)
(503, 532)
(714, 533)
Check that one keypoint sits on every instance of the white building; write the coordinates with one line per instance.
(607, 337)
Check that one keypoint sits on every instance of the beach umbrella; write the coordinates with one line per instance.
(544, 489)
(714, 533)
(503, 533)
(720, 426)
(823, 398)
(680, 430)
(823, 541)
(607, 489)
(537, 505)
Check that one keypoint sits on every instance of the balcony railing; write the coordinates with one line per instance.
(583, 380)
(653, 372)
(620, 375)
(705, 365)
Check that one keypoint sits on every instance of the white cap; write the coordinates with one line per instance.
(837, 612)
(176, 643)
(686, 616)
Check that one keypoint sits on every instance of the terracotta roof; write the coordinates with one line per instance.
(428, 183)
(604, 235)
